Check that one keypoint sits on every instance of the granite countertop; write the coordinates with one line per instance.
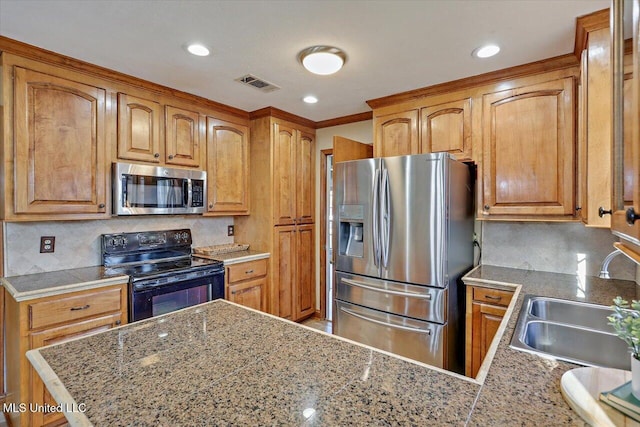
(230, 258)
(225, 364)
(31, 286)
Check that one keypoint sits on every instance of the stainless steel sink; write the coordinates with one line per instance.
(573, 331)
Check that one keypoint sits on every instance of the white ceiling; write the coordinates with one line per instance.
(392, 46)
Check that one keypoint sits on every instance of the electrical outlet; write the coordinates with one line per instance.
(230, 230)
(47, 244)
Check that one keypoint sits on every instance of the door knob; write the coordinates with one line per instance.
(602, 212)
(632, 216)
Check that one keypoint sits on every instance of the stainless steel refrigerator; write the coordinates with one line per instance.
(403, 237)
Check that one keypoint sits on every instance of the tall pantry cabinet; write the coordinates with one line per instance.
(282, 223)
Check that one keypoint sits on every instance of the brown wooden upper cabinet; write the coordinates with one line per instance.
(625, 223)
(447, 128)
(528, 150)
(396, 134)
(293, 176)
(227, 168)
(140, 133)
(182, 136)
(59, 129)
(139, 129)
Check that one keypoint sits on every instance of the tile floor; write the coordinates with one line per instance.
(316, 323)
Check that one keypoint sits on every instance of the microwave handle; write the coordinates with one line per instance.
(125, 199)
(188, 194)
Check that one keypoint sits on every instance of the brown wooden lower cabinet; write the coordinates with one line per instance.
(485, 309)
(247, 284)
(294, 261)
(50, 320)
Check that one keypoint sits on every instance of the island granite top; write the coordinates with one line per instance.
(223, 364)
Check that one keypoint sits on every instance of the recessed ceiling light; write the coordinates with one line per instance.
(310, 99)
(486, 51)
(323, 60)
(198, 50)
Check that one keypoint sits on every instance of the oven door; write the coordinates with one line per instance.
(163, 299)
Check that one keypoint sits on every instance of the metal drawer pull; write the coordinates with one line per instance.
(84, 307)
(386, 291)
(391, 325)
(248, 272)
(493, 298)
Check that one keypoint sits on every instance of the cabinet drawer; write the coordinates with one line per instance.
(246, 270)
(73, 307)
(492, 296)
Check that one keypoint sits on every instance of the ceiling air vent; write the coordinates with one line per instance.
(260, 84)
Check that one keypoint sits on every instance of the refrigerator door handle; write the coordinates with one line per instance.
(375, 223)
(386, 291)
(385, 324)
(386, 218)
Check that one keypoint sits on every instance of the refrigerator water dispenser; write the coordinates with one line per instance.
(350, 239)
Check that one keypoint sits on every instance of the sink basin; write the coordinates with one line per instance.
(572, 331)
(582, 314)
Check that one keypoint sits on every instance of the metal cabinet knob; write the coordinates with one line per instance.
(101, 205)
(632, 216)
(210, 205)
(602, 212)
(487, 207)
(156, 155)
(170, 156)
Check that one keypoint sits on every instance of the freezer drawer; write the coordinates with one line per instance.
(419, 302)
(415, 339)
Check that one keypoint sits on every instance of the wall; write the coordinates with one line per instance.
(569, 248)
(78, 242)
(359, 131)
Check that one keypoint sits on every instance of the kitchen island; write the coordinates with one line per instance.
(222, 364)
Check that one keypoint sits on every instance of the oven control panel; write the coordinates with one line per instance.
(147, 240)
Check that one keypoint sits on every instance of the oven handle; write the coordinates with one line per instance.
(390, 325)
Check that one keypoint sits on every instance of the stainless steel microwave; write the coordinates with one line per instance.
(155, 190)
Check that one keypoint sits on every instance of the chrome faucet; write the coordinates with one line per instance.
(604, 270)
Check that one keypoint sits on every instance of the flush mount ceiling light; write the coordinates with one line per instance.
(486, 51)
(310, 99)
(323, 60)
(198, 49)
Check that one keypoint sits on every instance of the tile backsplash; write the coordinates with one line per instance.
(78, 242)
(569, 248)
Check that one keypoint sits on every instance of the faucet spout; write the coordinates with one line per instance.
(604, 271)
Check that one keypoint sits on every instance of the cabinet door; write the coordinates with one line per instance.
(250, 293)
(396, 134)
(59, 145)
(624, 222)
(305, 178)
(284, 271)
(227, 167)
(56, 336)
(528, 142)
(304, 287)
(139, 129)
(486, 321)
(182, 136)
(284, 178)
(447, 128)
